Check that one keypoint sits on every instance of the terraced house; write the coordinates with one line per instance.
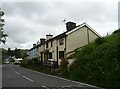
(63, 45)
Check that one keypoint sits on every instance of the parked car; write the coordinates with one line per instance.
(17, 61)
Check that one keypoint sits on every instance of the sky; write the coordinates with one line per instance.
(29, 20)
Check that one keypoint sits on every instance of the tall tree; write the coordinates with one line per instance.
(17, 53)
(4, 54)
(9, 52)
(2, 34)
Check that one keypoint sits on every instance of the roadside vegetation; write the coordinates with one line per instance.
(97, 63)
(36, 65)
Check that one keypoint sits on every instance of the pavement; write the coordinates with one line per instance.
(14, 76)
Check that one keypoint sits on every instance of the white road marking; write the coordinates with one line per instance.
(28, 78)
(17, 72)
(45, 87)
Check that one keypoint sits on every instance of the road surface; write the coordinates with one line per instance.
(16, 76)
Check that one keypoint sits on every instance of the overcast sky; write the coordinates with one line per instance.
(27, 22)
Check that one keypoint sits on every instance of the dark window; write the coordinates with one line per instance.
(61, 41)
(46, 45)
(61, 54)
(50, 55)
(51, 43)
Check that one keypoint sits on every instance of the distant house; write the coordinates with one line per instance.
(33, 52)
(63, 45)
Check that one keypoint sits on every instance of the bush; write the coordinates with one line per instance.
(116, 31)
(64, 68)
(99, 41)
(24, 63)
(98, 63)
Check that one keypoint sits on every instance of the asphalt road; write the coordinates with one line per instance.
(16, 76)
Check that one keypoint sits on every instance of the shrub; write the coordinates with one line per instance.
(116, 31)
(99, 41)
(64, 68)
(98, 63)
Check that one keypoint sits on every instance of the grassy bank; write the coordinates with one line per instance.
(98, 63)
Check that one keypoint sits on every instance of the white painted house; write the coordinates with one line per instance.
(63, 45)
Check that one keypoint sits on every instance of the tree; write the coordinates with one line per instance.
(2, 34)
(9, 52)
(116, 31)
(4, 54)
(17, 53)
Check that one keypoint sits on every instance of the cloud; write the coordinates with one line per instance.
(27, 22)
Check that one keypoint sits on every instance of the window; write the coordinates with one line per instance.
(46, 45)
(61, 41)
(50, 55)
(61, 54)
(51, 43)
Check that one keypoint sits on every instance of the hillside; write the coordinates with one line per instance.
(98, 63)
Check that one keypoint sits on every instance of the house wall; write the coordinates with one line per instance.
(60, 48)
(35, 53)
(77, 39)
(39, 55)
(42, 47)
(28, 55)
(52, 49)
(92, 36)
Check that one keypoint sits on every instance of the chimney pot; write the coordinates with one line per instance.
(34, 45)
(42, 40)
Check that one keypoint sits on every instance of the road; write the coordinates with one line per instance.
(16, 76)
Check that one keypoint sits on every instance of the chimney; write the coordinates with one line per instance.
(34, 45)
(49, 36)
(38, 42)
(70, 25)
(42, 40)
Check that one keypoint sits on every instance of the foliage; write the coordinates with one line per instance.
(35, 64)
(2, 34)
(64, 68)
(18, 53)
(4, 54)
(24, 63)
(98, 63)
(99, 41)
(12, 60)
(116, 31)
